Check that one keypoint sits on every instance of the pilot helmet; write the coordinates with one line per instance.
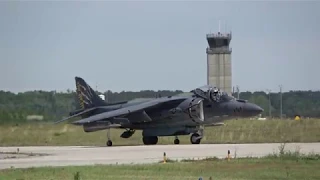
(215, 90)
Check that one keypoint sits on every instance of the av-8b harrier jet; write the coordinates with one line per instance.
(165, 116)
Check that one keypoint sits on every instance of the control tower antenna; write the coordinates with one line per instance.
(225, 26)
(219, 26)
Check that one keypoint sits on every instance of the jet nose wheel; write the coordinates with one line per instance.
(195, 138)
(109, 143)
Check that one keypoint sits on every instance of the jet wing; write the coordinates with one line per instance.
(79, 114)
(130, 110)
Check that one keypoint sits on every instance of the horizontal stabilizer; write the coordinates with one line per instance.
(218, 124)
(215, 124)
(84, 112)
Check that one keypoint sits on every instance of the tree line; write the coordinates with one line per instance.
(55, 105)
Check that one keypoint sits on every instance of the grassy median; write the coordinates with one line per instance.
(286, 166)
(235, 131)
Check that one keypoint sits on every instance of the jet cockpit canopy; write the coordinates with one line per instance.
(211, 93)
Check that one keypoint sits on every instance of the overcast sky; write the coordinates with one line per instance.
(156, 45)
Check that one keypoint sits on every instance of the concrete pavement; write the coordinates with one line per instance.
(88, 155)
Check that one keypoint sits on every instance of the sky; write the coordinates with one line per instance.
(139, 45)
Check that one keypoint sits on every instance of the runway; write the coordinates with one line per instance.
(85, 155)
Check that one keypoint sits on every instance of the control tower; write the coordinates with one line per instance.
(219, 69)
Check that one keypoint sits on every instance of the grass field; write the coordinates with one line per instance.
(287, 166)
(235, 131)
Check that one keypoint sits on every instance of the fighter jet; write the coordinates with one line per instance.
(178, 115)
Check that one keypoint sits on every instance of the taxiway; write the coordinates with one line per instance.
(88, 155)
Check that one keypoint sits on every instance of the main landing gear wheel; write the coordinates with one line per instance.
(176, 140)
(195, 138)
(150, 140)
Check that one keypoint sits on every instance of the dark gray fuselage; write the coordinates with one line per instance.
(174, 118)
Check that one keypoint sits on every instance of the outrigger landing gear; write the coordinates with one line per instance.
(109, 142)
(176, 140)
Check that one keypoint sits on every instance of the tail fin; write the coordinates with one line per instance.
(86, 95)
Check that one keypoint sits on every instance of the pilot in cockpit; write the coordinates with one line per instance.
(214, 93)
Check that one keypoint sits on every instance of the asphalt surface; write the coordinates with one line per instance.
(86, 155)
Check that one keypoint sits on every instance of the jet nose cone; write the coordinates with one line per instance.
(253, 108)
(258, 109)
